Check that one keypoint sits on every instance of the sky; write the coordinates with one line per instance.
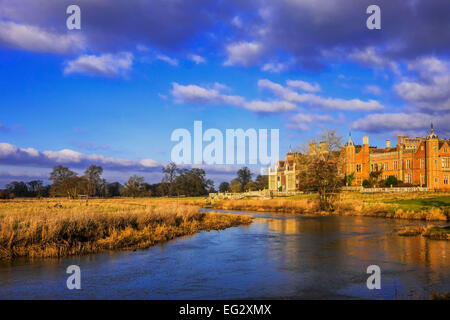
(113, 92)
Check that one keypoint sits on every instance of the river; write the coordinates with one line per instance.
(276, 257)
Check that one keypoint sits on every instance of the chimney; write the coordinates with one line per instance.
(312, 149)
(323, 147)
(399, 140)
(365, 140)
(388, 144)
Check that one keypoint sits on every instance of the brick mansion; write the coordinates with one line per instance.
(421, 161)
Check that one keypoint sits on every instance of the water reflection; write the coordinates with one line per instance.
(276, 257)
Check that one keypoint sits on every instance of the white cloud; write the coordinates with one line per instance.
(169, 60)
(303, 85)
(303, 121)
(274, 67)
(431, 89)
(317, 101)
(197, 59)
(270, 106)
(28, 37)
(373, 58)
(200, 95)
(243, 53)
(108, 65)
(372, 89)
(12, 155)
(416, 123)
(237, 22)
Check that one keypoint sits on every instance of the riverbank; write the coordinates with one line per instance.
(431, 208)
(431, 232)
(57, 227)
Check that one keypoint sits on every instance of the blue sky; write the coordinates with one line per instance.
(113, 92)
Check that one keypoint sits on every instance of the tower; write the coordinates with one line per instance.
(349, 156)
(431, 159)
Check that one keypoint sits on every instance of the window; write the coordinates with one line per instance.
(445, 179)
(446, 163)
(385, 166)
(358, 167)
(408, 164)
(408, 178)
(422, 179)
(445, 150)
(422, 163)
(395, 165)
(435, 162)
(436, 180)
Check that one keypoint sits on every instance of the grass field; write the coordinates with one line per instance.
(418, 206)
(60, 227)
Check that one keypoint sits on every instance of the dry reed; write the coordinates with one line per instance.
(56, 228)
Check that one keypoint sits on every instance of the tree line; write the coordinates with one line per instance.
(65, 182)
(243, 182)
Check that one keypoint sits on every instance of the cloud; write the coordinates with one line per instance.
(270, 106)
(430, 90)
(372, 89)
(317, 101)
(303, 85)
(115, 168)
(274, 67)
(171, 61)
(197, 59)
(243, 53)
(32, 38)
(15, 156)
(301, 28)
(414, 123)
(303, 121)
(200, 95)
(107, 65)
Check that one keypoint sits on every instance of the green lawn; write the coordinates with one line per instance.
(442, 202)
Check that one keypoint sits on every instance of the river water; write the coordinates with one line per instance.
(277, 256)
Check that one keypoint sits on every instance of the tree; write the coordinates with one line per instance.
(251, 186)
(35, 188)
(224, 187)
(348, 179)
(244, 176)
(193, 182)
(262, 182)
(134, 187)
(60, 174)
(93, 174)
(235, 186)
(63, 180)
(322, 176)
(319, 172)
(75, 186)
(113, 189)
(170, 174)
(18, 188)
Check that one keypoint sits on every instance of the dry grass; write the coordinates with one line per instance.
(55, 228)
(345, 207)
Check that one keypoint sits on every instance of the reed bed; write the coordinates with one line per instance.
(341, 207)
(56, 228)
